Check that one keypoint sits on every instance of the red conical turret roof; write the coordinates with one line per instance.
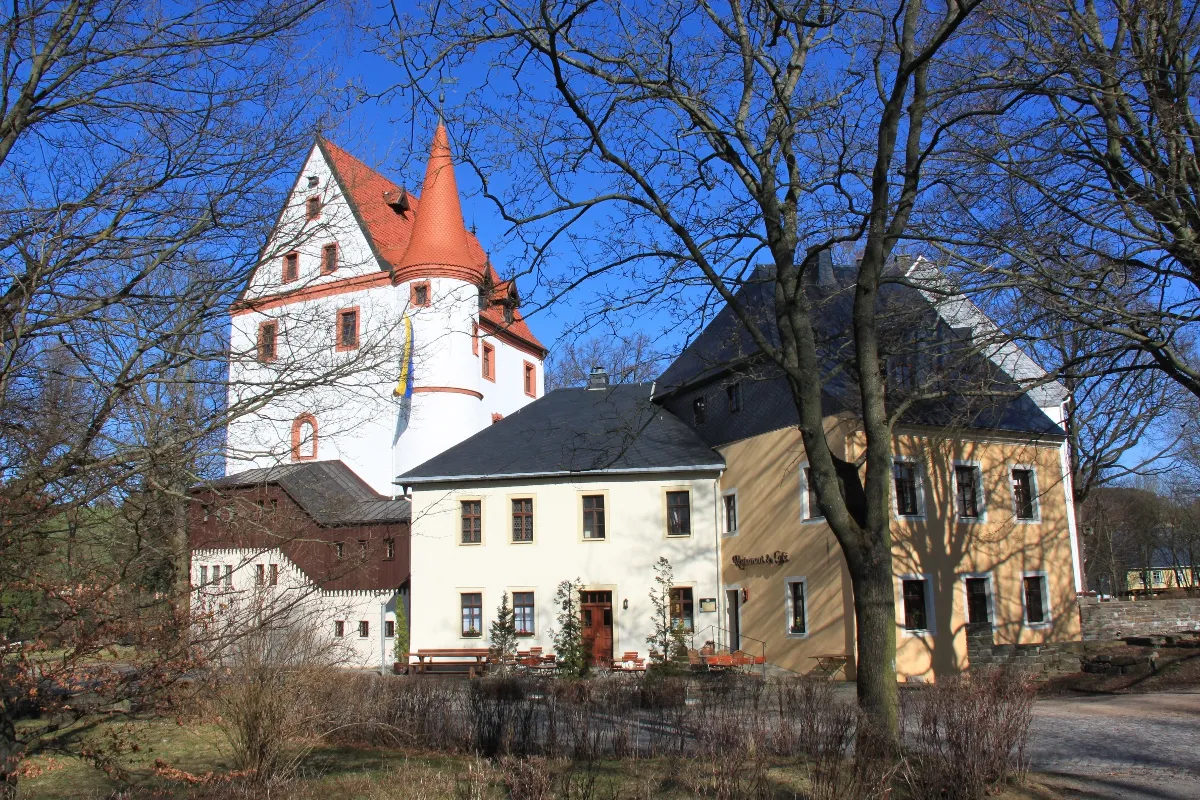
(439, 244)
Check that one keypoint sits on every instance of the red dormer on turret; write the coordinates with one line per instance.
(439, 244)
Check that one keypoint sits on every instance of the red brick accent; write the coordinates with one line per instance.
(297, 440)
(496, 417)
(355, 284)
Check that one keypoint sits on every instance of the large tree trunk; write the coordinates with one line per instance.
(875, 634)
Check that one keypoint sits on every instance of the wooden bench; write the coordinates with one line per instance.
(471, 660)
(629, 661)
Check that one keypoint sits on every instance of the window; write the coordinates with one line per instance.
(268, 333)
(489, 362)
(228, 575)
(681, 609)
(364, 629)
(916, 616)
(389, 549)
(389, 629)
(362, 548)
(522, 520)
(472, 521)
(679, 513)
(978, 601)
(731, 517)
(291, 267)
(339, 549)
(472, 613)
(304, 438)
(1035, 600)
(796, 611)
(508, 315)
(699, 415)
(523, 613)
(274, 581)
(203, 575)
(312, 207)
(1023, 493)
(313, 180)
(347, 330)
(339, 628)
(593, 516)
(808, 496)
(329, 258)
(734, 392)
(530, 380)
(420, 294)
(260, 574)
(1156, 576)
(904, 474)
(966, 491)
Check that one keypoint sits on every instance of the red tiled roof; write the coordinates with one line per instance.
(390, 233)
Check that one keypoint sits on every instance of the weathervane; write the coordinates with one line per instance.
(443, 82)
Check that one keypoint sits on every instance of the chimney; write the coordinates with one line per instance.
(598, 379)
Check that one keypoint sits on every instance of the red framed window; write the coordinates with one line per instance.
(312, 207)
(291, 267)
(268, 333)
(304, 438)
(530, 380)
(347, 329)
(329, 258)
(489, 362)
(419, 294)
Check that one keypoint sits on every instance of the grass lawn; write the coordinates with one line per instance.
(166, 760)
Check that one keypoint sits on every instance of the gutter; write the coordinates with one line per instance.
(403, 481)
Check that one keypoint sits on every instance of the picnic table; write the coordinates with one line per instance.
(474, 659)
(830, 664)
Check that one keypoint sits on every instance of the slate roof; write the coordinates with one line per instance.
(328, 491)
(724, 353)
(571, 431)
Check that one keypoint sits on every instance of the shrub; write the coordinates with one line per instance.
(503, 635)
(969, 734)
(568, 638)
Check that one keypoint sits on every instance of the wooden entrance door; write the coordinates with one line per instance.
(597, 612)
(733, 618)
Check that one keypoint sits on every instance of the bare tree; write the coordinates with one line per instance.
(698, 139)
(626, 359)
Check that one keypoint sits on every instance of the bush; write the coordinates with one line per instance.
(969, 734)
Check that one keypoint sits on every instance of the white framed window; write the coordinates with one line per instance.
(729, 511)
(1022, 479)
(1035, 599)
(969, 502)
(796, 605)
(908, 489)
(979, 598)
(810, 510)
(916, 605)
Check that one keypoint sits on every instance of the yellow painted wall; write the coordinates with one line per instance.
(765, 472)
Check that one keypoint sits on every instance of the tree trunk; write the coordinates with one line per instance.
(875, 634)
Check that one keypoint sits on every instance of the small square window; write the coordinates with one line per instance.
(679, 513)
(312, 208)
(523, 613)
(347, 329)
(916, 613)
(472, 521)
(734, 392)
(313, 180)
(593, 516)
(291, 267)
(420, 295)
(699, 414)
(329, 258)
(339, 628)
(364, 629)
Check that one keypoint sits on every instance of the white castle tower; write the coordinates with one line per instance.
(357, 275)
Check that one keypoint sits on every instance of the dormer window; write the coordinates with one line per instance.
(312, 208)
(699, 412)
(508, 315)
(329, 259)
(291, 267)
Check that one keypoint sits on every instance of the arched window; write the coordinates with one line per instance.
(304, 438)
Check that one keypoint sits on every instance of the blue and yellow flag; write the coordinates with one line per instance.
(404, 386)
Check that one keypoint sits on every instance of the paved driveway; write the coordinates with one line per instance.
(1120, 746)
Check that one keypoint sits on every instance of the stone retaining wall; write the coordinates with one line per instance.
(1040, 659)
(1107, 620)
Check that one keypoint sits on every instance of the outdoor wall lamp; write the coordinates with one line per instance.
(625, 604)
(745, 595)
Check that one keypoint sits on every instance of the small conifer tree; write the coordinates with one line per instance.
(668, 639)
(568, 639)
(503, 634)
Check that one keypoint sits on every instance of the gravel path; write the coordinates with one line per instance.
(1120, 746)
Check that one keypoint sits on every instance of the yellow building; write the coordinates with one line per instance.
(983, 528)
(1166, 570)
